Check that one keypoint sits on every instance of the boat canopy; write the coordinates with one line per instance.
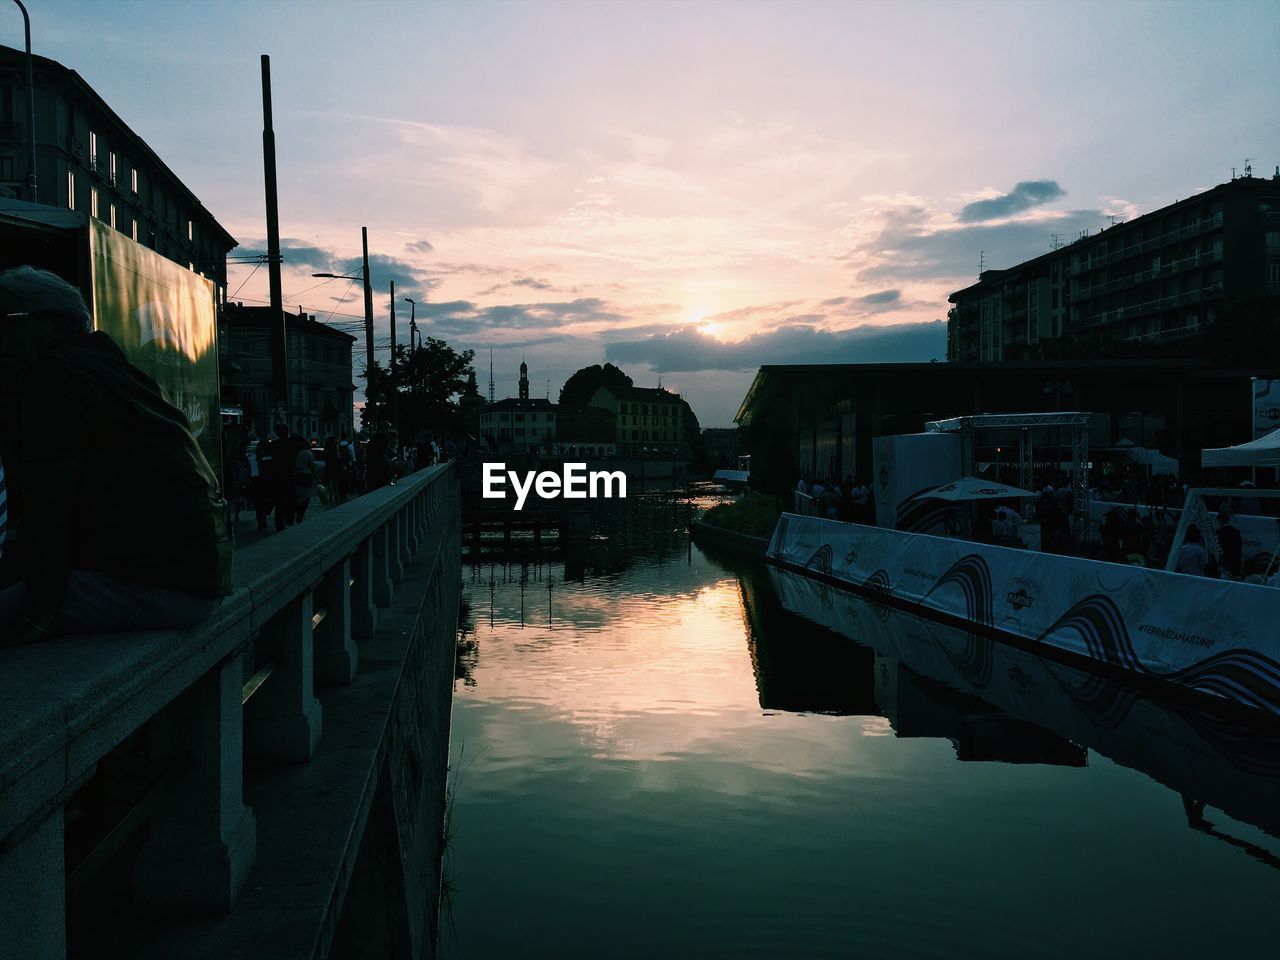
(1263, 452)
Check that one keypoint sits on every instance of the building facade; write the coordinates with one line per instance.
(645, 418)
(1139, 288)
(88, 159)
(519, 424)
(318, 365)
(822, 419)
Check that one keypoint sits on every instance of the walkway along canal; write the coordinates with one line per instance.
(270, 784)
(659, 750)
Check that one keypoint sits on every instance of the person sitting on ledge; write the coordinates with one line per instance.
(118, 515)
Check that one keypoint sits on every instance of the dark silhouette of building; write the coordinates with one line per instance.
(1167, 283)
(319, 365)
(88, 159)
(822, 418)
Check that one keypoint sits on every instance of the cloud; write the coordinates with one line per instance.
(528, 282)
(688, 349)
(1025, 195)
(465, 317)
(883, 297)
(909, 247)
(419, 246)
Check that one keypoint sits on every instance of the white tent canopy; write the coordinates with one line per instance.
(975, 488)
(1263, 452)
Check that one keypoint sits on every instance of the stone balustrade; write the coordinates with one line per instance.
(244, 682)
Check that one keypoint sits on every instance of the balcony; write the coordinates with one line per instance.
(1146, 246)
(1146, 276)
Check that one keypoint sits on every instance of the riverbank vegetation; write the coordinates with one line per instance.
(754, 516)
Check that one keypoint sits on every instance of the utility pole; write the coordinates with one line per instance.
(279, 344)
(391, 367)
(368, 318)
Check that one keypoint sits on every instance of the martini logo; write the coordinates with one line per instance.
(1270, 413)
(1020, 599)
(851, 556)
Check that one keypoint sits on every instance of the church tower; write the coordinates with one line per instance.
(524, 380)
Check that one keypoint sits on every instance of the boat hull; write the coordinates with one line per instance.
(1213, 638)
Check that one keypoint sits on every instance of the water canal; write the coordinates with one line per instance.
(652, 756)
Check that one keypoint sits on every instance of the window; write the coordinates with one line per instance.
(6, 168)
(190, 231)
(1273, 241)
(112, 218)
(93, 150)
(93, 201)
(111, 172)
(1273, 272)
(135, 229)
(71, 190)
(133, 180)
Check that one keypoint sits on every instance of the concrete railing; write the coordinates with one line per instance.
(244, 681)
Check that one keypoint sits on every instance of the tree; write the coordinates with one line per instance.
(582, 386)
(429, 384)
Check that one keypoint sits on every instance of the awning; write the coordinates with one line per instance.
(975, 488)
(1263, 452)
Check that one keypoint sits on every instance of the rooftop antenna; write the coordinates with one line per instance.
(1113, 218)
(982, 261)
(491, 375)
(1055, 241)
(1248, 166)
(548, 388)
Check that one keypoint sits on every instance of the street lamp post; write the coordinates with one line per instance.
(413, 324)
(31, 108)
(368, 307)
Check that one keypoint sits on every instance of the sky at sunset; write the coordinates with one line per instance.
(685, 189)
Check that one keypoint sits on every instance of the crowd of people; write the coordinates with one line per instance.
(850, 500)
(281, 475)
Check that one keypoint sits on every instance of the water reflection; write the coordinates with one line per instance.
(659, 751)
(1206, 758)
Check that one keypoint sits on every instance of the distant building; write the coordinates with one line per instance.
(723, 446)
(88, 159)
(1133, 289)
(645, 418)
(821, 419)
(519, 425)
(319, 372)
(585, 431)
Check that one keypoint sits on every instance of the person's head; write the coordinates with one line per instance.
(1223, 518)
(282, 431)
(1193, 534)
(38, 310)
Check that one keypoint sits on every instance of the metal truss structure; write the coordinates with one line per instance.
(1026, 423)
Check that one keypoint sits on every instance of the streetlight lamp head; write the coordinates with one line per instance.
(410, 300)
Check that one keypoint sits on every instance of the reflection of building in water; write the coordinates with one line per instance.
(817, 670)
(929, 675)
(919, 707)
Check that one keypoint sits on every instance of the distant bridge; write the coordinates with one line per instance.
(270, 784)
